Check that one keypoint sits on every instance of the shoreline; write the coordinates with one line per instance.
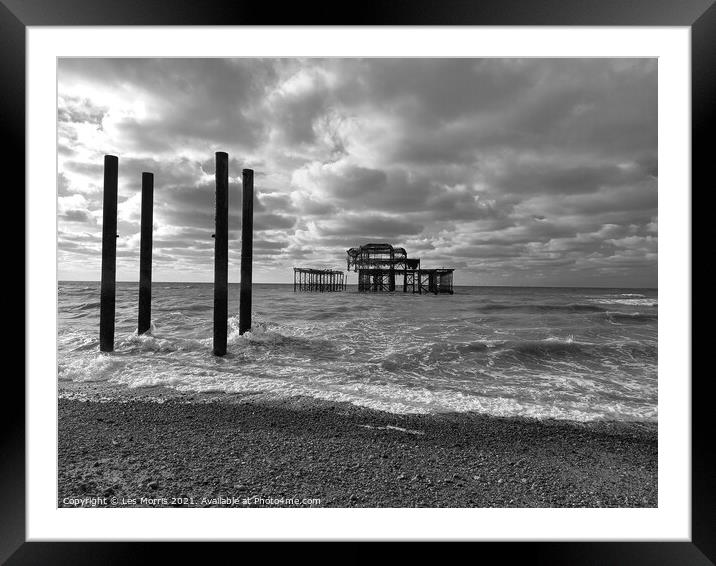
(219, 452)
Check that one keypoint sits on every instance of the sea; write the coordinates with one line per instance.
(582, 354)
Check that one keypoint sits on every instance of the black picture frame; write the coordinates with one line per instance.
(698, 15)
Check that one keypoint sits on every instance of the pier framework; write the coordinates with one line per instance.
(379, 265)
(318, 280)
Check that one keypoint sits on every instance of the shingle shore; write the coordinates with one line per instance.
(247, 453)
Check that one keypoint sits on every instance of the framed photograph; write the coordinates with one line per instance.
(420, 275)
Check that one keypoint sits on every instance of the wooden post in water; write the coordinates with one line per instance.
(221, 253)
(247, 246)
(109, 255)
(145, 254)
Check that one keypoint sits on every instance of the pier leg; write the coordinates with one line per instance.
(247, 245)
(109, 255)
(145, 255)
(221, 254)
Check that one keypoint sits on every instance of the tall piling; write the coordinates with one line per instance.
(221, 253)
(109, 255)
(145, 254)
(247, 245)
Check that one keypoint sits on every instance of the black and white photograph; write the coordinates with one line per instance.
(357, 282)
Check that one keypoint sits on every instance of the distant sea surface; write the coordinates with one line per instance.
(565, 353)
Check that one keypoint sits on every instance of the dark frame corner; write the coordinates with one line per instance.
(699, 15)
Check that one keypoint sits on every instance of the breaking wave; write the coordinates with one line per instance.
(541, 308)
(498, 352)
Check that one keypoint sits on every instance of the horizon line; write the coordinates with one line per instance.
(355, 284)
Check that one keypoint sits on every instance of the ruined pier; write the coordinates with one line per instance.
(380, 265)
(318, 280)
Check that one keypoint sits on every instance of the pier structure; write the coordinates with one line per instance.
(221, 253)
(378, 266)
(144, 320)
(318, 280)
(108, 286)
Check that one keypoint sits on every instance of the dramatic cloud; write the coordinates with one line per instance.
(513, 171)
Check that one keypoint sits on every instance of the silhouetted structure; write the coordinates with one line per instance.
(144, 321)
(378, 265)
(319, 280)
(221, 253)
(247, 246)
(108, 287)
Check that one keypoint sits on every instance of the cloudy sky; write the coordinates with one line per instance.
(512, 171)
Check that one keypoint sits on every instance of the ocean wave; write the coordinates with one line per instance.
(630, 317)
(553, 354)
(541, 308)
(397, 398)
(186, 308)
(628, 301)
(555, 348)
(525, 352)
(551, 347)
(85, 306)
(72, 340)
(83, 369)
(332, 312)
(278, 340)
(150, 343)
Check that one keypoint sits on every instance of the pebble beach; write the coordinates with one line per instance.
(302, 452)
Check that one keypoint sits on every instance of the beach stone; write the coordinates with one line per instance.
(213, 450)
